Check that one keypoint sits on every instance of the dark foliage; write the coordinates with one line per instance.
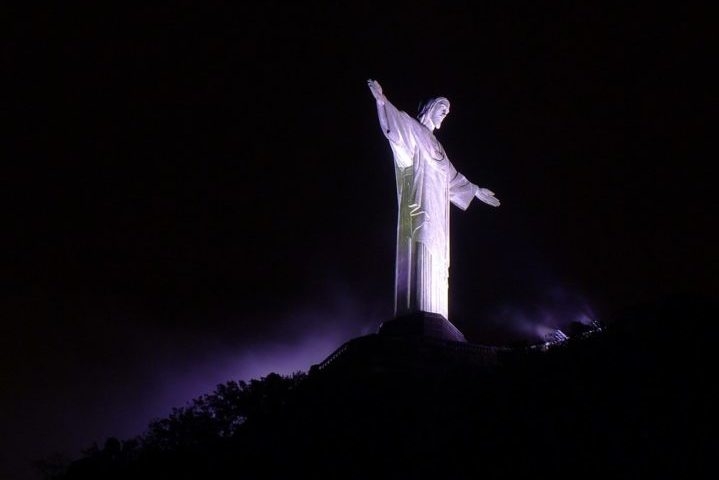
(633, 401)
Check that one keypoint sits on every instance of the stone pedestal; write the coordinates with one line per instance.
(422, 324)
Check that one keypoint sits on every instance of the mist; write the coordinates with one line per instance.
(110, 374)
(535, 317)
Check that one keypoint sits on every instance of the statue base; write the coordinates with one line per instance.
(422, 324)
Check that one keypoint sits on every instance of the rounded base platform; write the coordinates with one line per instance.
(422, 324)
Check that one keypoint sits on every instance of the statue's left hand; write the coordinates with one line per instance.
(487, 196)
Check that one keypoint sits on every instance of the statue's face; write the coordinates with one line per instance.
(438, 114)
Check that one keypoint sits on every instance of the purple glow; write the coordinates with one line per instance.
(553, 312)
(298, 341)
(142, 372)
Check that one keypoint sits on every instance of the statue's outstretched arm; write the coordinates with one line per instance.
(376, 90)
(487, 196)
(382, 101)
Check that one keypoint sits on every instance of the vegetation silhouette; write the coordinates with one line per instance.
(635, 399)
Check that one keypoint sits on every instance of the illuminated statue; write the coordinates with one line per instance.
(426, 183)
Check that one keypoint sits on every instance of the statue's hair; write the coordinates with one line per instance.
(427, 107)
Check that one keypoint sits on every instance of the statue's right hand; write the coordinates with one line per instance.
(376, 89)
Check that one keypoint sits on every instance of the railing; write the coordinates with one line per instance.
(482, 355)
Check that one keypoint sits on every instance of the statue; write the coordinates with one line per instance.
(426, 184)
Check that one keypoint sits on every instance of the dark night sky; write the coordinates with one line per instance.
(197, 193)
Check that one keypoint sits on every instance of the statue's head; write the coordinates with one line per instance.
(433, 111)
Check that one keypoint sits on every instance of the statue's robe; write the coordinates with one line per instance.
(426, 183)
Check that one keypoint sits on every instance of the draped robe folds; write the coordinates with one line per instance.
(426, 184)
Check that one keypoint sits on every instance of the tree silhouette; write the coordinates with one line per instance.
(633, 400)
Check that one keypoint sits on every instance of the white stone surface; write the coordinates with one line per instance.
(426, 184)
